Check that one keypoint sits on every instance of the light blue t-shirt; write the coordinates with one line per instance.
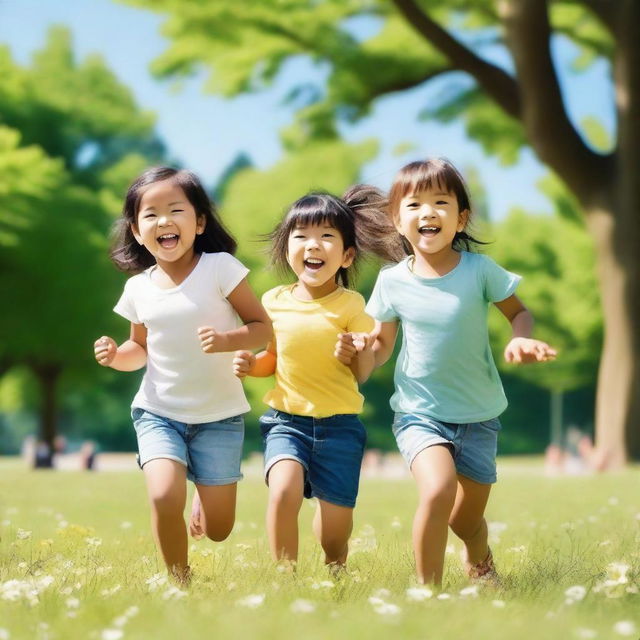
(445, 368)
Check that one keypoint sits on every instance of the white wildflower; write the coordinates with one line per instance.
(470, 592)
(132, 611)
(625, 628)
(252, 601)
(396, 524)
(387, 609)
(498, 604)
(418, 594)
(518, 549)
(112, 634)
(381, 593)
(586, 634)
(93, 542)
(302, 606)
(120, 621)
(23, 534)
(125, 525)
(72, 603)
(4, 634)
(575, 594)
(444, 596)
(613, 501)
(174, 593)
(156, 581)
(107, 593)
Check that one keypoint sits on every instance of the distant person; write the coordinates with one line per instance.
(88, 455)
(313, 438)
(190, 308)
(448, 393)
(43, 455)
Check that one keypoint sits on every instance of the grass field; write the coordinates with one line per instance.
(77, 561)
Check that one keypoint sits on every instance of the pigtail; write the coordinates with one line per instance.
(375, 232)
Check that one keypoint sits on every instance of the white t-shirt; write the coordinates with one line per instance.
(182, 382)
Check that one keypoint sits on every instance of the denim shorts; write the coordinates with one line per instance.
(473, 445)
(329, 449)
(211, 451)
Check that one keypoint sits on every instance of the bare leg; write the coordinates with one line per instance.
(217, 510)
(167, 489)
(435, 475)
(467, 518)
(286, 487)
(332, 525)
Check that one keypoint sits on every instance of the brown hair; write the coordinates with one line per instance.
(433, 173)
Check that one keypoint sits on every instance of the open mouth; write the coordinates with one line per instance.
(313, 263)
(429, 231)
(168, 240)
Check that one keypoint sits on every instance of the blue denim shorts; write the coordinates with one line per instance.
(329, 449)
(211, 451)
(473, 445)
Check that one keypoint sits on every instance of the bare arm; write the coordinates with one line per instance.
(129, 356)
(522, 348)
(384, 339)
(255, 332)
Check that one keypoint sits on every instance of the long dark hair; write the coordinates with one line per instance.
(132, 257)
(360, 217)
(433, 173)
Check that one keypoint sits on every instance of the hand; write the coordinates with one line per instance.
(105, 350)
(350, 344)
(243, 363)
(195, 522)
(211, 340)
(526, 350)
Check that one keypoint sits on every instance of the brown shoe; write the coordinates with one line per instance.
(483, 572)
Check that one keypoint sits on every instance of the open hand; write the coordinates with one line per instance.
(243, 362)
(105, 350)
(526, 350)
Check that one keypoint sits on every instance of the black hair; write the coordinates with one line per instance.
(132, 257)
(360, 217)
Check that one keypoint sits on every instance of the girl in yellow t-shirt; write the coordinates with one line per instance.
(313, 438)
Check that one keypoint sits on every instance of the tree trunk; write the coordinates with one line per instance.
(48, 375)
(618, 394)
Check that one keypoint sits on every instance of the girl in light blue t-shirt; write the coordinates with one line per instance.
(448, 394)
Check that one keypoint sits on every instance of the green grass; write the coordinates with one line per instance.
(90, 541)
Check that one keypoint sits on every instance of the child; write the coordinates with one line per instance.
(313, 438)
(183, 307)
(448, 394)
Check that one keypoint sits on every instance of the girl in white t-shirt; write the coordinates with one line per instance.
(190, 308)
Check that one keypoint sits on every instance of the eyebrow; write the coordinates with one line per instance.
(149, 207)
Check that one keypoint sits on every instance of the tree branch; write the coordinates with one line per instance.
(548, 127)
(496, 82)
(605, 10)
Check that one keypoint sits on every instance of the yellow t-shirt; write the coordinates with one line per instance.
(310, 380)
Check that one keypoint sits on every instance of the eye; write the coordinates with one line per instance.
(149, 215)
(328, 235)
(412, 205)
(177, 210)
(442, 202)
(298, 236)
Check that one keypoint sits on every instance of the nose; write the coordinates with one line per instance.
(162, 220)
(426, 211)
(312, 243)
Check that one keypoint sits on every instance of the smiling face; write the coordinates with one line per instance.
(429, 220)
(316, 253)
(167, 223)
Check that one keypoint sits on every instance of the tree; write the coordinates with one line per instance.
(69, 132)
(504, 105)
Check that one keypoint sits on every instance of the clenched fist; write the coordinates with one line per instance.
(105, 350)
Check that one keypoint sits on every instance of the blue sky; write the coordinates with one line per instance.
(205, 133)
